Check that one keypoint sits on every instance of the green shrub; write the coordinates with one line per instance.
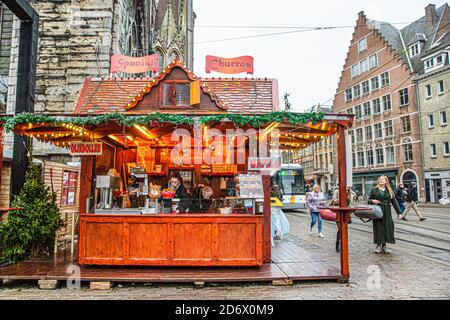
(30, 232)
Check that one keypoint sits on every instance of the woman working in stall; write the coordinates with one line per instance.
(201, 201)
(176, 185)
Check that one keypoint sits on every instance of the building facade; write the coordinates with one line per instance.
(377, 85)
(434, 94)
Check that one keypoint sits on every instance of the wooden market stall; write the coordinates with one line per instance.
(142, 133)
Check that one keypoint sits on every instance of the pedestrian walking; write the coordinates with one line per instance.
(335, 202)
(400, 195)
(383, 229)
(411, 202)
(315, 198)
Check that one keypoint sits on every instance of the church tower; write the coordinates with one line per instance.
(174, 32)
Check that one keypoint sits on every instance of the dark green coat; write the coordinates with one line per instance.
(383, 229)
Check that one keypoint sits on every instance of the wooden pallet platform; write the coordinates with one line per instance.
(290, 262)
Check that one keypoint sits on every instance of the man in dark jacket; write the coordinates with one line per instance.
(411, 201)
(400, 195)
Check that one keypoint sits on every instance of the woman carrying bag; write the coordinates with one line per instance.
(383, 229)
(335, 202)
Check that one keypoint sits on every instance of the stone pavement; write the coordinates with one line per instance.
(409, 272)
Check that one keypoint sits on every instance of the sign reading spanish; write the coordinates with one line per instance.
(120, 63)
(229, 65)
(86, 149)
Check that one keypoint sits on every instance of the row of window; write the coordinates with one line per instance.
(436, 62)
(442, 118)
(367, 86)
(439, 88)
(364, 65)
(380, 155)
(373, 132)
(445, 149)
(371, 107)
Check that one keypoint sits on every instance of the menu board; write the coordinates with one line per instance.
(250, 186)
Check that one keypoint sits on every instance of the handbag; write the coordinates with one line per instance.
(374, 213)
(328, 215)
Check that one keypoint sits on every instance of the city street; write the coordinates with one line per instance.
(417, 268)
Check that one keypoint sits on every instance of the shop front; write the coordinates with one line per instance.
(364, 182)
(165, 180)
(437, 184)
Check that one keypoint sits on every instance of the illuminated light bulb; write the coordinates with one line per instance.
(80, 134)
(73, 134)
(45, 135)
(134, 100)
(53, 134)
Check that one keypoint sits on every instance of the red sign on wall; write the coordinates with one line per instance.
(120, 63)
(229, 65)
(86, 149)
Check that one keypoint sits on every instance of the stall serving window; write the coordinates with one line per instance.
(175, 94)
(69, 188)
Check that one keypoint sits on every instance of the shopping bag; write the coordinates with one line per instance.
(327, 214)
(373, 213)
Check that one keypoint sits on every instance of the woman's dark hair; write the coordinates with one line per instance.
(176, 175)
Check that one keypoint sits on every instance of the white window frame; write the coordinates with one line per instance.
(439, 91)
(371, 133)
(370, 150)
(357, 135)
(368, 86)
(386, 127)
(414, 49)
(433, 153)
(373, 61)
(360, 112)
(400, 97)
(359, 91)
(390, 103)
(441, 118)
(377, 81)
(390, 147)
(431, 119)
(364, 109)
(446, 145)
(351, 94)
(362, 45)
(403, 123)
(377, 148)
(377, 131)
(356, 71)
(388, 79)
(364, 65)
(379, 105)
(428, 91)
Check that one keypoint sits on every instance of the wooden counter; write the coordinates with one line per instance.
(171, 239)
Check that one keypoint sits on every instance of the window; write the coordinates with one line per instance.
(365, 87)
(385, 79)
(443, 118)
(175, 94)
(406, 124)
(369, 153)
(373, 61)
(433, 150)
(446, 148)
(407, 151)
(431, 121)
(379, 154)
(440, 88)
(348, 94)
(353, 159)
(429, 63)
(404, 99)
(378, 130)
(360, 155)
(388, 128)
(428, 91)
(350, 111)
(368, 130)
(355, 70)
(352, 135)
(357, 91)
(69, 188)
(414, 50)
(387, 106)
(358, 114)
(439, 59)
(364, 65)
(362, 45)
(366, 108)
(359, 135)
(376, 106)
(375, 83)
(390, 155)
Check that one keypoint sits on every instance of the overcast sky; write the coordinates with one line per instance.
(307, 64)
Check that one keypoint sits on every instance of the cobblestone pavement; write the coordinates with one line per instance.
(417, 268)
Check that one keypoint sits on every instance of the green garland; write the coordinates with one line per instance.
(255, 121)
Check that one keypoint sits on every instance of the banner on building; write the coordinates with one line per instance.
(86, 149)
(121, 63)
(229, 65)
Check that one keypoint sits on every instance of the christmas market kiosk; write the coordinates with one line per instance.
(175, 170)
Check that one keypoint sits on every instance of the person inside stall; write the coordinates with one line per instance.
(201, 200)
(176, 184)
(133, 189)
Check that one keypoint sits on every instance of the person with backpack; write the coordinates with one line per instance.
(411, 202)
(400, 195)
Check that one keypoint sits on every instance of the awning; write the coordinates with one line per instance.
(377, 173)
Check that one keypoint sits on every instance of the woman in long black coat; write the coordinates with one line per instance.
(383, 229)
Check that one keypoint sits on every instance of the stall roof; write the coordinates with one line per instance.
(233, 95)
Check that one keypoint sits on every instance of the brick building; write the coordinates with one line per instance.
(377, 85)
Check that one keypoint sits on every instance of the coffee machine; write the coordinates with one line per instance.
(107, 184)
